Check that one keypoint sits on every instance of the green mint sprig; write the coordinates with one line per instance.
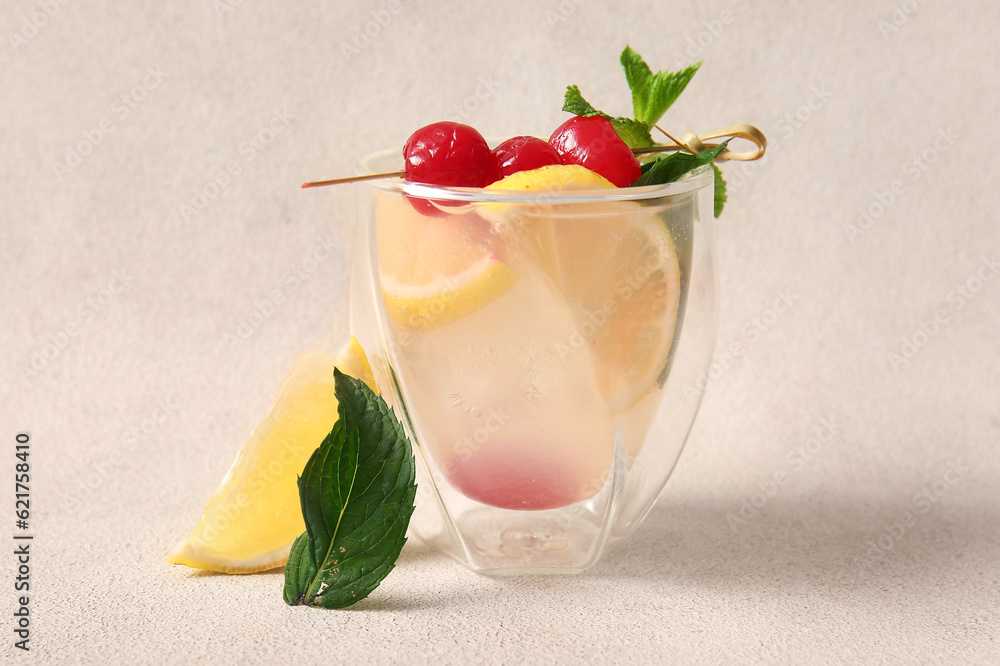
(357, 492)
(652, 95)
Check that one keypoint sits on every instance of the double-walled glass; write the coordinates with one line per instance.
(543, 351)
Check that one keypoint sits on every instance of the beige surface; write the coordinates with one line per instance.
(849, 103)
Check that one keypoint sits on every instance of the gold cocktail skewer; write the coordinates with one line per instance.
(353, 179)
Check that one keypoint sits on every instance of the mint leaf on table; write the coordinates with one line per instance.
(634, 133)
(653, 94)
(357, 492)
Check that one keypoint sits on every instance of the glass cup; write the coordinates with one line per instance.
(543, 352)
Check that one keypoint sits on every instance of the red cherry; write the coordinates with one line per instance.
(592, 142)
(449, 154)
(522, 153)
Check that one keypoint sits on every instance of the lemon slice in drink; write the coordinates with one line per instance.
(251, 520)
(616, 267)
(633, 310)
(614, 264)
(435, 270)
(553, 177)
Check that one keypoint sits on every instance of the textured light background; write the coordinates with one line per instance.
(882, 106)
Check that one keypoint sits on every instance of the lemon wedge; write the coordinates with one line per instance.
(250, 522)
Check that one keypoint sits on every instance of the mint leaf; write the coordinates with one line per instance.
(357, 492)
(672, 167)
(637, 73)
(668, 169)
(720, 190)
(653, 94)
(634, 133)
(299, 570)
(577, 105)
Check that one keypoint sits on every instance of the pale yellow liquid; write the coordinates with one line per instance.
(517, 402)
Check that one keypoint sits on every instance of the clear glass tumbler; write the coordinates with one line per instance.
(541, 349)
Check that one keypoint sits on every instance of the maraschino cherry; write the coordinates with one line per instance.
(523, 153)
(592, 142)
(450, 155)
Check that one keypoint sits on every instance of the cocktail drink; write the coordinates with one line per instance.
(531, 341)
(539, 314)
